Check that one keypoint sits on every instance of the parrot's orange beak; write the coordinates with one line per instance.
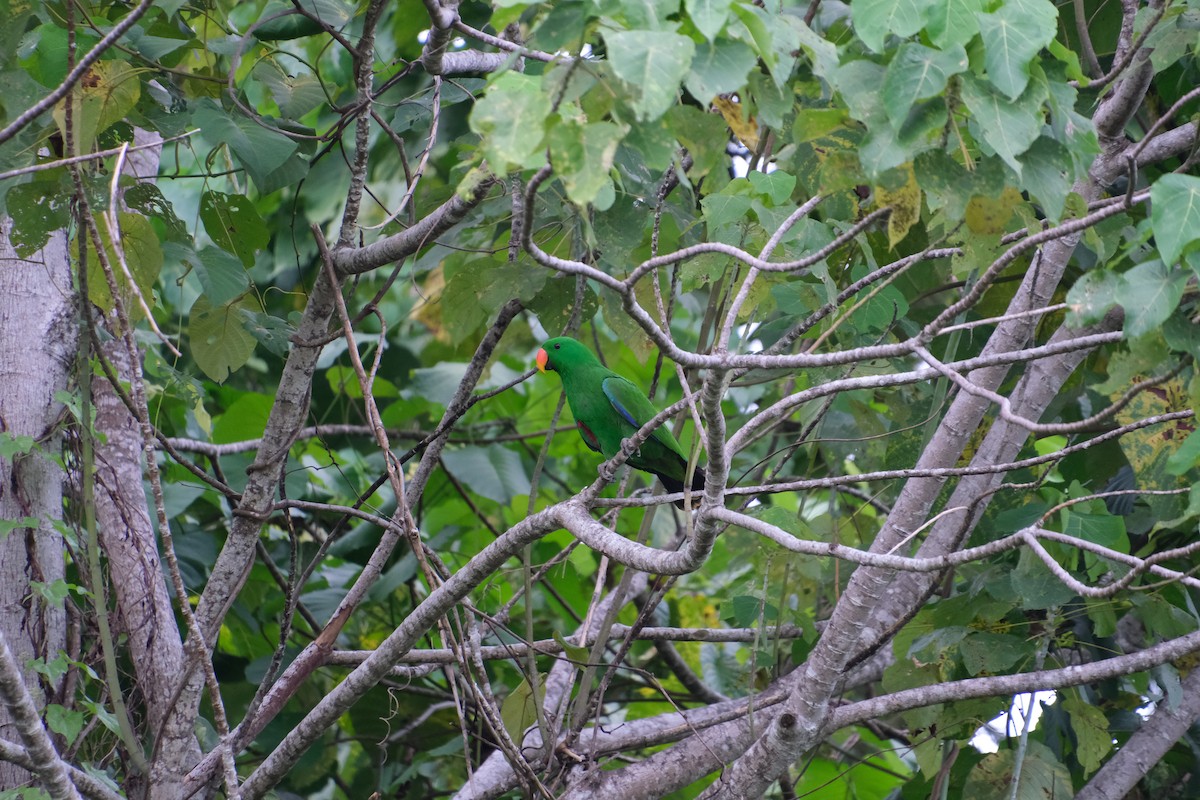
(542, 358)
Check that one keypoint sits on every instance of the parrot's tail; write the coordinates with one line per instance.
(673, 485)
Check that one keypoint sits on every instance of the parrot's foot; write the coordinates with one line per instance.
(628, 450)
(607, 472)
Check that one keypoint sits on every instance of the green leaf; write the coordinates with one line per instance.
(7, 526)
(273, 333)
(582, 156)
(1047, 171)
(708, 15)
(511, 118)
(992, 652)
(775, 38)
(244, 418)
(1036, 586)
(1094, 294)
(652, 63)
(1070, 60)
(931, 646)
(704, 135)
(436, 384)
(485, 286)
(756, 34)
(860, 83)
(106, 717)
(1163, 620)
(951, 22)
(148, 200)
(1008, 126)
(154, 48)
(289, 173)
(1187, 456)
(654, 142)
(12, 445)
(1175, 214)
(823, 54)
(57, 667)
(719, 68)
(720, 669)
(495, 472)
(16, 15)
(917, 73)
(234, 224)
(648, 14)
(1102, 529)
(1042, 776)
(875, 19)
(560, 29)
(221, 275)
(178, 496)
(771, 104)
(519, 710)
(67, 723)
(741, 611)
(1173, 37)
(1012, 36)
(1149, 293)
(259, 150)
(343, 379)
(218, 337)
(38, 209)
(777, 186)
(724, 209)
(295, 95)
(54, 592)
(293, 25)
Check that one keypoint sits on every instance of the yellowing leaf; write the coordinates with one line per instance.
(744, 129)
(1147, 447)
(107, 92)
(429, 308)
(1093, 740)
(991, 214)
(143, 256)
(905, 202)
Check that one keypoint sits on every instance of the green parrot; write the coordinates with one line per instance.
(609, 408)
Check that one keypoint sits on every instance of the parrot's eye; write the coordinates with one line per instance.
(557, 346)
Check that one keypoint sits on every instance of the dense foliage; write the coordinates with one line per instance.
(919, 277)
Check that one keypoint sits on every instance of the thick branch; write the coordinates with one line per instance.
(1146, 747)
(47, 765)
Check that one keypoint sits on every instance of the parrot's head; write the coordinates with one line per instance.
(562, 352)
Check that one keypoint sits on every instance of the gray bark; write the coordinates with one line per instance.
(1121, 773)
(37, 347)
(127, 537)
(128, 540)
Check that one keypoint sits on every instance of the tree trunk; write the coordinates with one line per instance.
(128, 541)
(37, 347)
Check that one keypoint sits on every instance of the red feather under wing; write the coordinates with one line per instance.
(588, 437)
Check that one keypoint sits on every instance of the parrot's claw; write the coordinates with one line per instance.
(607, 473)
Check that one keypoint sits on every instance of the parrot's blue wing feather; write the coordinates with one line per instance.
(612, 390)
